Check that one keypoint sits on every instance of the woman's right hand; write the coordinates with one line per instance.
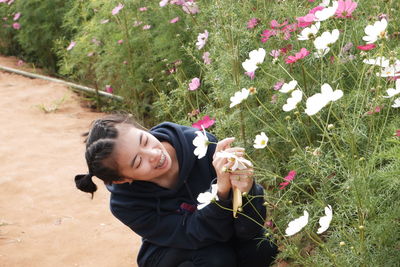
(222, 166)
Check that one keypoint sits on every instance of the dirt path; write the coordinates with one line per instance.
(44, 219)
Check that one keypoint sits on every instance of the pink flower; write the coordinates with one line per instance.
(279, 85)
(202, 39)
(345, 8)
(20, 63)
(17, 16)
(275, 53)
(267, 34)
(301, 54)
(194, 84)
(190, 7)
(16, 26)
(252, 23)
(366, 47)
(71, 45)
(305, 21)
(146, 27)
(120, 41)
(109, 89)
(174, 20)
(274, 99)
(205, 122)
(315, 9)
(194, 112)
(137, 23)
(142, 9)
(397, 133)
(290, 177)
(117, 9)
(206, 58)
(286, 49)
(163, 3)
(275, 24)
(251, 74)
(311, 1)
(376, 109)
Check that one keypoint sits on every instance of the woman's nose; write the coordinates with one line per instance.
(153, 154)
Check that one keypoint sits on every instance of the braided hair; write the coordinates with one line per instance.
(100, 142)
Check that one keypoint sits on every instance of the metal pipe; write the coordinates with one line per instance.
(73, 85)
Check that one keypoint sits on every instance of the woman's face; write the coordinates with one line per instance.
(140, 156)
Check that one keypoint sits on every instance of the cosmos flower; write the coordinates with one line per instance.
(297, 224)
(117, 9)
(325, 221)
(238, 162)
(207, 197)
(201, 143)
(316, 102)
(261, 141)
(309, 32)
(205, 123)
(288, 87)
(194, 84)
(239, 97)
(202, 39)
(376, 31)
(292, 101)
(256, 57)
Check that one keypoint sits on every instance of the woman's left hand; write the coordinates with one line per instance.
(242, 179)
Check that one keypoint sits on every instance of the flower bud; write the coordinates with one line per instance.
(342, 243)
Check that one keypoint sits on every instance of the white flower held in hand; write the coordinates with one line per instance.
(297, 224)
(201, 143)
(376, 31)
(325, 221)
(238, 162)
(261, 141)
(292, 101)
(205, 198)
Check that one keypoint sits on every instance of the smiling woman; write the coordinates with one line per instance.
(154, 179)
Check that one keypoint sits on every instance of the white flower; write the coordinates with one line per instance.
(239, 97)
(396, 103)
(256, 57)
(376, 31)
(392, 92)
(163, 3)
(390, 71)
(261, 141)
(327, 12)
(321, 52)
(297, 224)
(238, 162)
(325, 3)
(379, 61)
(316, 102)
(309, 32)
(202, 39)
(287, 87)
(205, 198)
(325, 221)
(201, 143)
(292, 101)
(326, 40)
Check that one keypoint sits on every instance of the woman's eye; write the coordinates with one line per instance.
(147, 140)
(140, 161)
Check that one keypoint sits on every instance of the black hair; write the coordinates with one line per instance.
(100, 142)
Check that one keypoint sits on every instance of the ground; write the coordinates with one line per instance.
(44, 219)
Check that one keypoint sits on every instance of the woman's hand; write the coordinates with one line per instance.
(222, 166)
(242, 179)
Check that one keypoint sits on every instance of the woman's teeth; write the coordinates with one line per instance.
(161, 162)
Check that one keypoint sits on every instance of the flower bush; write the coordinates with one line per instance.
(309, 88)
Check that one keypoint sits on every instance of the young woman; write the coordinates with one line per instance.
(154, 179)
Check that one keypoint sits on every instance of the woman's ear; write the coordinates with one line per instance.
(123, 180)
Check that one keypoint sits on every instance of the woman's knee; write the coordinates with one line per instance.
(217, 255)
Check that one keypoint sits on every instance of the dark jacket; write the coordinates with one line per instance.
(168, 217)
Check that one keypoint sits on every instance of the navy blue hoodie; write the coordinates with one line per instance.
(168, 217)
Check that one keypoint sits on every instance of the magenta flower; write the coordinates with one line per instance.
(16, 26)
(71, 45)
(397, 133)
(109, 89)
(17, 16)
(142, 9)
(376, 109)
(206, 58)
(194, 84)
(117, 9)
(205, 122)
(120, 41)
(305, 21)
(275, 24)
(146, 27)
(301, 54)
(290, 177)
(268, 34)
(345, 8)
(252, 23)
(278, 85)
(366, 47)
(315, 9)
(275, 53)
(174, 20)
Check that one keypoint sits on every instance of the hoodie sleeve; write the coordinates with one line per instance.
(253, 207)
(185, 231)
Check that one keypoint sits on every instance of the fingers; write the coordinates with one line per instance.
(224, 144)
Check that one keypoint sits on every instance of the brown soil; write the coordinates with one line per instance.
(44, 219)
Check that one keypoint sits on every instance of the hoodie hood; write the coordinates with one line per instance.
(181, 138)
